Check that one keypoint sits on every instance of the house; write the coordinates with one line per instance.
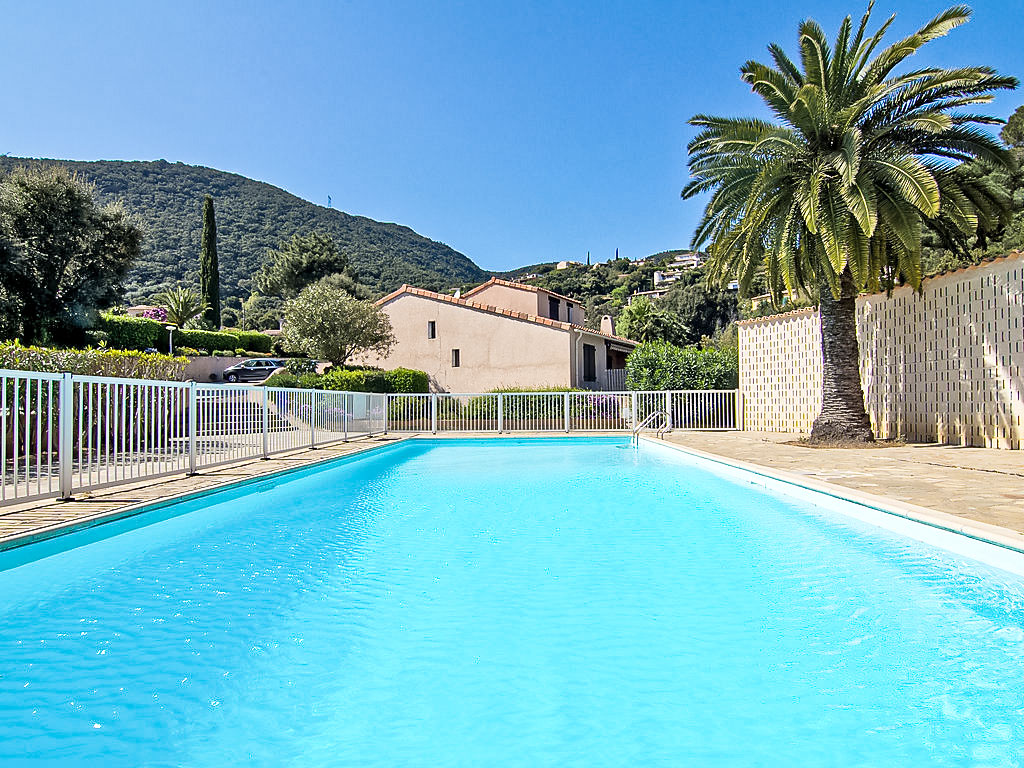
(501, 334)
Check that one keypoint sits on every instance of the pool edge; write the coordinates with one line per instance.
(142, 507)
(1005, 539)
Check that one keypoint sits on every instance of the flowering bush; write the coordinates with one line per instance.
(156, 313)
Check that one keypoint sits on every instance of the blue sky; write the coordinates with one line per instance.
(515, 132)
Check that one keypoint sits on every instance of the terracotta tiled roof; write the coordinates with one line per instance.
(522, 287)
(498, 311)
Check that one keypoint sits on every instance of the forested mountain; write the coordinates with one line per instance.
(167, 198)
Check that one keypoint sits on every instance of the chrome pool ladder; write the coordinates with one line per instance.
(665, 427)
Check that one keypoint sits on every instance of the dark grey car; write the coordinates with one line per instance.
(252, 370)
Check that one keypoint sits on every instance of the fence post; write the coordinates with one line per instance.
(266, 424)
(565, 410)
(433, 413)
(66, 439)
(632, 411)
(501, 412)
(739, 409)
(668, 409)
(312, 426)
(387, 404)
(346, 396)
(193, 404)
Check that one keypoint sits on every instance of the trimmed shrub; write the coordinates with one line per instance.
(126, 332)
(282, 379)
(211, 340)
(129, 364)
(310, 381)
(406, 381)
(253, 341)
(657, 365)
(188, 351)
(223, 353)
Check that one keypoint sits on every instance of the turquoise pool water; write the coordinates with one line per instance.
(523, 603)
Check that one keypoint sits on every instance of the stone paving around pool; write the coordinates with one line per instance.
(981, 484)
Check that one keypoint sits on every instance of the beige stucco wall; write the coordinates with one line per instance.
(495, 350)
(526, 300)
(946, 365)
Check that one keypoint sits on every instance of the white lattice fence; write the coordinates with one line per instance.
(943, 366)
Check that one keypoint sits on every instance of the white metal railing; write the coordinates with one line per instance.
(62, 433)
(562, 411)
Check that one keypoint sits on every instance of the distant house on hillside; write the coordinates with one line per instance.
(501, 334)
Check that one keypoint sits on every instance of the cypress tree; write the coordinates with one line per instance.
(209, 270)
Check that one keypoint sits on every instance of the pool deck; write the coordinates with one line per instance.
(976, 484)
(985, 485)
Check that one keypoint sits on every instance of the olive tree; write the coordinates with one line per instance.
(325, 322)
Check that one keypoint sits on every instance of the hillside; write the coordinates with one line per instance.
(167, 198)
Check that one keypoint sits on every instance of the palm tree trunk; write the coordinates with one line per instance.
(842, 418)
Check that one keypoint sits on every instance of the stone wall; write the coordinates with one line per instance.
(946, 365)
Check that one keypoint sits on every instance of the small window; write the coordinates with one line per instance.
(568, 312)
(589, 363)
(552, 308)
(431, 329)
(456, 361)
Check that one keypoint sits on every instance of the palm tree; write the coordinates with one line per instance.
(183, 305)
(832, 196)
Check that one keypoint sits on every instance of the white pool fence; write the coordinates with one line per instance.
(62, 434)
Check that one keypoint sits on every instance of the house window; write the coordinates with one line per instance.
(456, 361)
(552, 308)
(568, 312)
(431, 329)
(589, 362)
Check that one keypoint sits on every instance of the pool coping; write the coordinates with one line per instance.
(985, 533)
(57, 530)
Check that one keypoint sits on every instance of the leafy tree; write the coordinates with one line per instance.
(209, 268)
(1012, 133)
(832, 197)
(183, 305)
(301, 261)
(62, 256)
(701, 310)
(646, 320)
(261, 312)
(325, 322)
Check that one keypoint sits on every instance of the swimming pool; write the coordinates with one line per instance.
(507, 602)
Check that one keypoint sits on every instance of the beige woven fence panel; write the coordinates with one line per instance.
(946, 365)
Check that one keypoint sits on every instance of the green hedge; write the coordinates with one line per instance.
(128, 364)
(211, 340)
(253, 341)
(406, 381)
(399, 380)
(657, 365)
(126, 332)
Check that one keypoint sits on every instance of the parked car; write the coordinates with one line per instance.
(252, 370)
